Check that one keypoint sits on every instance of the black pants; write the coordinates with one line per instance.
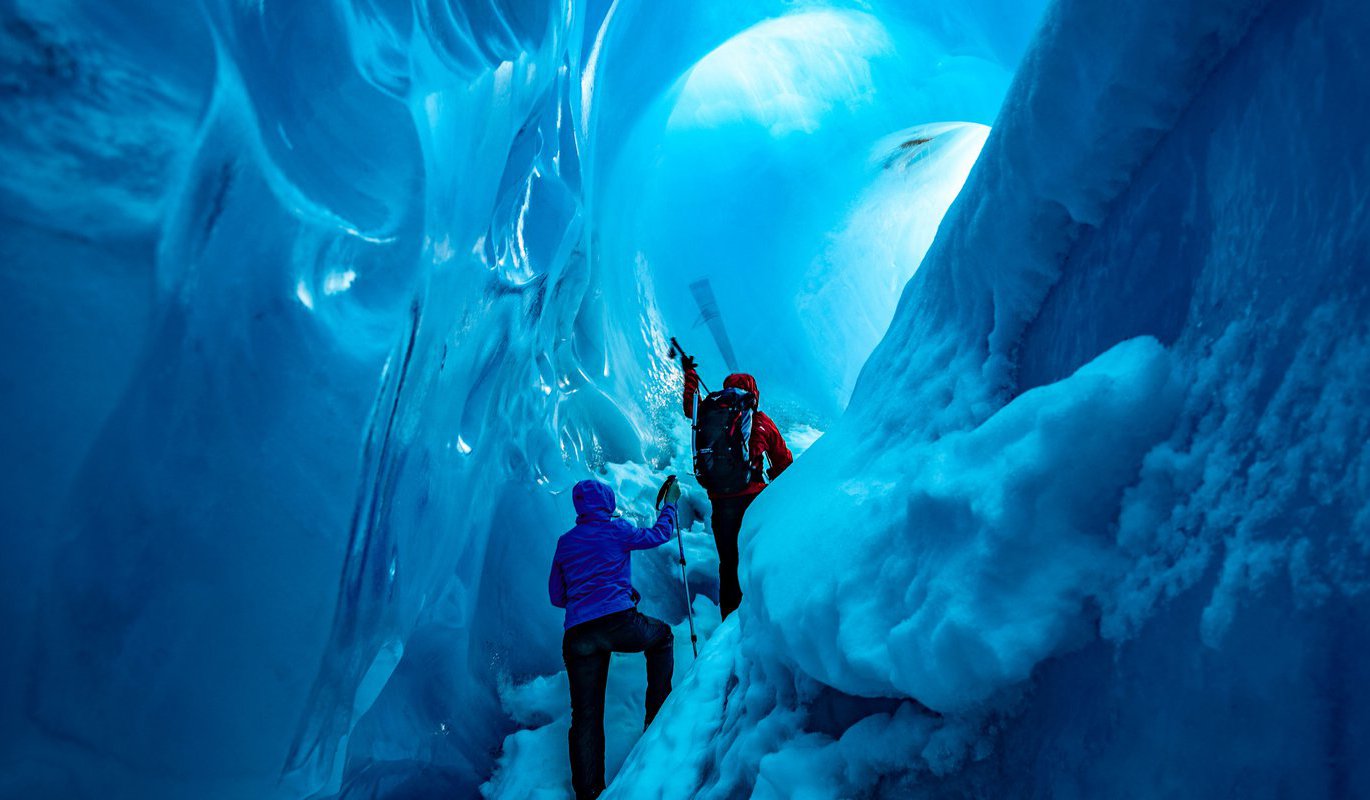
(585, 648)
(727, 521)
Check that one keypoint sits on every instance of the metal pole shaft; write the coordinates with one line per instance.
(685, 583)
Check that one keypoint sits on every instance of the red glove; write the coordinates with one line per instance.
(691, 386)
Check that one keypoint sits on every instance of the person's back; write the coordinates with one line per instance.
(765, 439)
(728, 507)
(591, 578)
(592, 569)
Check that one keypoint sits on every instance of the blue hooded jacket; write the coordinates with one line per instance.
(592, 570)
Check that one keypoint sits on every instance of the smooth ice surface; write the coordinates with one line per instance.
(314, 313)
(769, 167)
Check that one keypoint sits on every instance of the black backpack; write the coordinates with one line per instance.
(723, 433)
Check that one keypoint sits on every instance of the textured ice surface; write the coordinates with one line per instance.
(1100, 495)
(312, 312)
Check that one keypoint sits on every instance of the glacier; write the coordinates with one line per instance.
(313, 314)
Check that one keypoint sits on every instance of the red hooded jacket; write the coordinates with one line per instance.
(766, 438)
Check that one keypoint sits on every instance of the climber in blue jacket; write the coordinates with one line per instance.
(592, 579)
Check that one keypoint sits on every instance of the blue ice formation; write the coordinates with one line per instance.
(314, 312)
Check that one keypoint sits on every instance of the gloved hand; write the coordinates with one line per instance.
(688, 363)
(672, 492)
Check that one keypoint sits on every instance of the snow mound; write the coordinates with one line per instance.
(945, 572)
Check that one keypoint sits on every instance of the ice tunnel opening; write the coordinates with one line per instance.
(801, 166)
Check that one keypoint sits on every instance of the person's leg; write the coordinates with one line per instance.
(597, 755)
(727, 521)
(639, 633)
(587, 666)
(660, 652)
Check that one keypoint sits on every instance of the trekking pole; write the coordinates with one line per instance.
(684, 581)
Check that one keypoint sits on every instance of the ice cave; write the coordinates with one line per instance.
(315, 313)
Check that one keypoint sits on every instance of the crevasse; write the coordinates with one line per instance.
(313, 314)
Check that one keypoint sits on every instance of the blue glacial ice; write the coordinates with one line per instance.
(313, 313)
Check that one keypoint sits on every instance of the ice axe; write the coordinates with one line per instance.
(684, 581)
(679, 352)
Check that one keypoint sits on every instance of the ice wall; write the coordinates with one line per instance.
(300, 317)
(311, 311)
(1094, 524)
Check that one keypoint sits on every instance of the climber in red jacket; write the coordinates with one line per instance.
(762, 442)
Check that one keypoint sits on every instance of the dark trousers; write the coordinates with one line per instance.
(727, 521)
(585, 648)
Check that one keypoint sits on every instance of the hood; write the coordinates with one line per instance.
(743, 381)
(593, 499)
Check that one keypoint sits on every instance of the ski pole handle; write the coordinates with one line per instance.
(665, 487)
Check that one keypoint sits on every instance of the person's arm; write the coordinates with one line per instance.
(646, 538)
(778, 451)
(691, 386)
(556, 585)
